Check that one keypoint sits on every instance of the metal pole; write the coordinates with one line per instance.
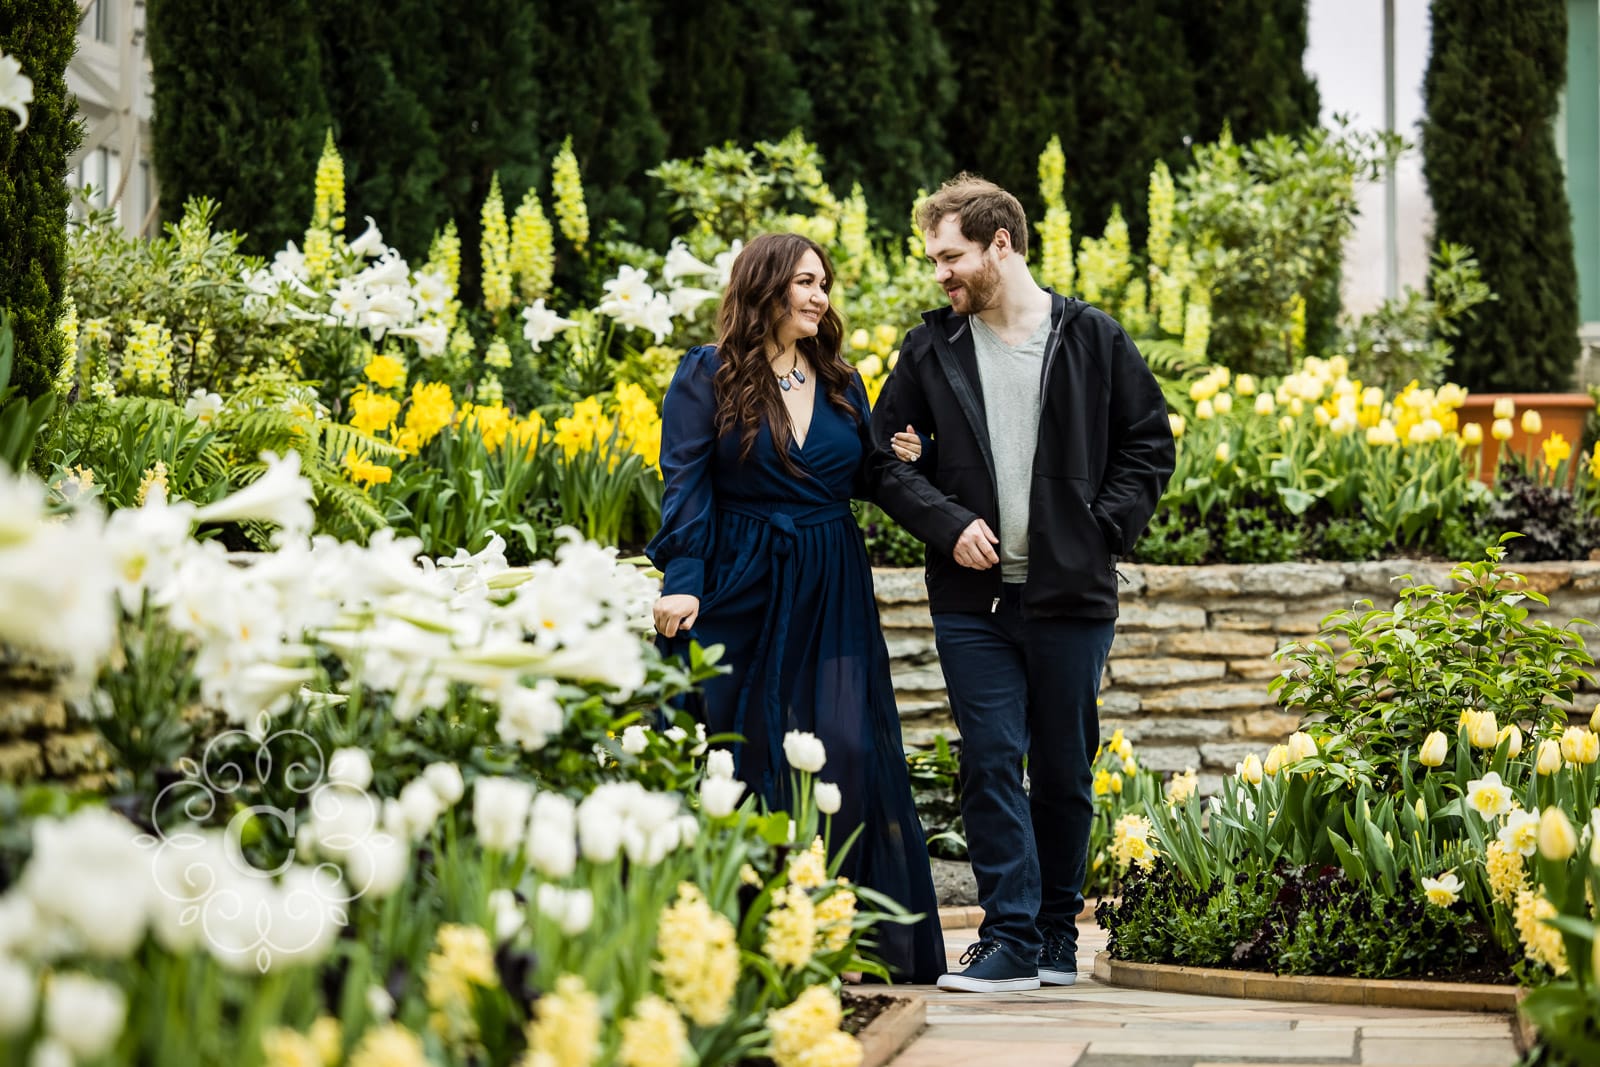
(1391, 192)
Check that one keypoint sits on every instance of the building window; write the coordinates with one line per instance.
(100, 20)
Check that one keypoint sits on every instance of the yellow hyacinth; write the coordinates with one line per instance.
(533, 249)
(571, 211)
(327, 212)
(1163, 197)
(699, 957)
(444, 256)
(565, 1030)
(653, 1035)
(791, 928)
(496, 251)
(1541, 942)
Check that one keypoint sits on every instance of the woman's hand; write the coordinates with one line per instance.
(675, 612)
(907, 445)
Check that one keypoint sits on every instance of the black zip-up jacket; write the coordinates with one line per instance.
(1104, 455)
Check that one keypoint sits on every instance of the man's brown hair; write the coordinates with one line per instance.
(981, 207)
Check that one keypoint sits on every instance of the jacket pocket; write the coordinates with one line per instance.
(1067, 549)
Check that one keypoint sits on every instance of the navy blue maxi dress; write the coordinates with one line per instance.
(784, 585)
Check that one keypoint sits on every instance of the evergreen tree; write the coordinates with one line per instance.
(728, 72)
(878, 72)
(1248, 59)
(1133, 103)
(239, 111)
(384, 76)
(1011, 95)
(41, 35)
(1492, 89)
(598, 73)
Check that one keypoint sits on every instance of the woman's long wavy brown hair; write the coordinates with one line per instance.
(756, 301)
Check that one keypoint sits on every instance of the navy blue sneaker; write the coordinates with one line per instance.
(1058, 958)
(991, 968)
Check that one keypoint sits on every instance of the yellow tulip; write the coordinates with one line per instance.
(1250, 769)
(1321, 416)
(1482, 730)
(1549, 759)
(1579, 745)
(1301, 746)
(1434, 749)
(861, 339)
(1594, 719)
(1285, 424)
(1501, 430)
(1514, 745)
(1504, 408)
(1277, 755)
(1557, 840)
(1245, 385)
(1177, 424)
(1204, 410)
(1223, 402)
(1372, 397)
(1224, 452)
(1472, 434)
(1264, 404)
(1531, 422)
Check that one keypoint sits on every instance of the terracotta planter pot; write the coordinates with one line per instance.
(1561, 413)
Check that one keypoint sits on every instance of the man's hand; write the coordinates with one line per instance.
(675, 612)
(974, 548)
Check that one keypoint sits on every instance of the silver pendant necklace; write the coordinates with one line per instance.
(793, 376)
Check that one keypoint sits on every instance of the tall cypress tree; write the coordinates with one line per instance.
(1133, 104)
(1489, 155)
(878, 71)
(382, 88)
(41, 35)
(239, 111)
(1248, 58)
(598, 72)
(1011, 94)
(728, 71)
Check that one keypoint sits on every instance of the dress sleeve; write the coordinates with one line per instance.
(688, 501)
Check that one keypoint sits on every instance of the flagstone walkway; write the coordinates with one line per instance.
(1096, 1025)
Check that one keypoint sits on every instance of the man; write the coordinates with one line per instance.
(1052, 447)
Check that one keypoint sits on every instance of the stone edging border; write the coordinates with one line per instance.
(887, 1036)
(1388, 993)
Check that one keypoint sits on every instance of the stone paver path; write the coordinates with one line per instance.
(1096, 1025)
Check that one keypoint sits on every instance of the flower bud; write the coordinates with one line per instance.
(1434, 749)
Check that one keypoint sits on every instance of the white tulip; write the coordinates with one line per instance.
(379, 1002)
(85, 1014)
(719, 763)
(804, 751)
(500, 812)
(829, 798)
(19, 997)
(719, 796)
(350, 767)
(507, 914)
(552, 836)
(634, 741)
(421, 806)
(445, 781)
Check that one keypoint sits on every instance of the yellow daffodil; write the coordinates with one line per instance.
(1556, 449)
(1442, 891)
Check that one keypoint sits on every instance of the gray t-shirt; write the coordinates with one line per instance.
(1010, 380)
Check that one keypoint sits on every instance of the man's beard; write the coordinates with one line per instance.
(982, 289)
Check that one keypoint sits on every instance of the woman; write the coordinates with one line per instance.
(764, 439)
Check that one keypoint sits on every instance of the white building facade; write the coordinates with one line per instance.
(110, 74)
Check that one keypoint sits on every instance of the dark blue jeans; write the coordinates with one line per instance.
(1025, 689)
